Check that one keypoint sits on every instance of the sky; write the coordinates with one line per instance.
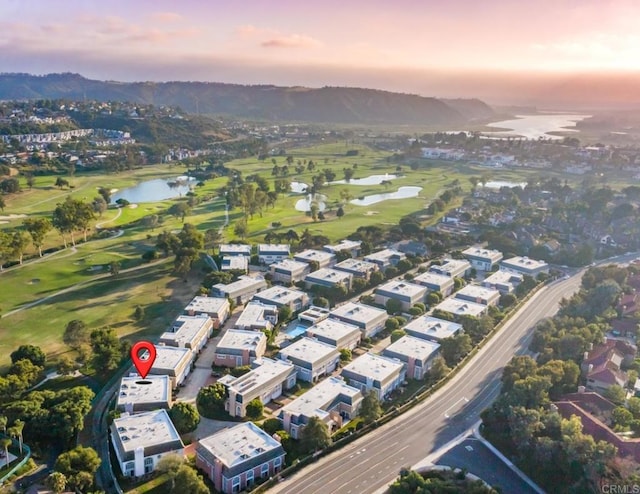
(431, 47)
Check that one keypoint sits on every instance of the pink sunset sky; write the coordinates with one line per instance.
(437, 47)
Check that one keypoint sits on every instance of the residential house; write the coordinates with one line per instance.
(311, 358)
(432, 328)
(335, 332)
(240, 347)
(602, 366)
(357, 268)
(266, 381)
(231, 250)
(435, 282)
(217, 308)
(503, 281)
(144, 395)
(385, 258)
(416, 353)
(352, 247)
(482, 259)
(235, 263)
(270, 253)
(281, 296)
(453, 268)
(289, 271)
(369, 319)
(333, 401)
(235, 457)
(322, 258)
(191, 332)
(257, 316)
(328, 278)
(524, 265)
(458, 307)
(479, 294)
(313, 315)
(408, 294)
(240, 291)
(140, 441)
(173, 362)
(375, 372)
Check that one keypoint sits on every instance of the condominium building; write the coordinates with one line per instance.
(235, 250)
(352, 247)
(144, 395)
(240, 347)
(281, 296)
(289, 271)
(524, 265)
(357, 268)
(217, 308)
(335, 332)
(479, 294)
(482, 259)
(416, 353)
(453, 268)
(435, 282)
(235, 263)
(369, 319)
(458, 307)
(257, 316)
(385, 258)
(173, 362)
(408, 294)
(328, 278)
(324, 259)
(311, 358)
(270, 253)
(503, 281)
(190, 332)
(240, 291)
(432, 328)
(375, 372)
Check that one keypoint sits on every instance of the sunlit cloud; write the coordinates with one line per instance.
(166, 17)
(291, 41)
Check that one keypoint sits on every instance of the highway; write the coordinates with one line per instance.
(373, 461)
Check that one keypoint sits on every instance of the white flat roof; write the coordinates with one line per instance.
(253, 314)
(170, 357)
(145, 430)
(431, 278)
(480, 253)
(503, 277)
(343, 245)
(329, 275)
(281, 248)
(241, 339)
(235, 445)
(290, 265)
(477, 291)
(244, 281)
(461, 307)
(433, 327)
(209, 305)
(383, 255)
(315, 401)
(524, 263)
(358, 312)
(280, 295)
(264, 371)
(333, 329)
(235, 262)
(152, 389)
(314, 255)
(451, 265)
(308, 350)
(190, 329)
(403, 288)
(413, 347)
(374, 366)
(356, 265)
(235, 249)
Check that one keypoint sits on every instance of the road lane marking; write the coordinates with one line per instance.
(446, 414)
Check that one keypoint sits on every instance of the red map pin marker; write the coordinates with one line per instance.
(143, 354)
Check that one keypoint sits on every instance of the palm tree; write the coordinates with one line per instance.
(5, 442)
(16, 431)
(3, 423)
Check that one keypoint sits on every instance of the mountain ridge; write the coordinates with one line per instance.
(329, 104)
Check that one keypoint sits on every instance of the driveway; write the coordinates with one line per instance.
(201, 375)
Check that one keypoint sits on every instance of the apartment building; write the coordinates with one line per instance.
(369, 319)
(385, 258)
(328, 278)
(432, 328)
(144, 395)
(352, 247)
(281, 296)
(173, 362)
(524, 265)
(311, 358)
(479, 294)
(416, 353)
(270, 253)
(435, 282)
(240, 291)
(324, 259)
(408, 294)
(190, 332)
(503, 281)
(453, 268)
(335, 332)
(239, 347)
(257, 316)
(232, 250)
(357, 268)
(289, 271)
(217, 308)
(458, 307)
(482, 259)
(375, 372)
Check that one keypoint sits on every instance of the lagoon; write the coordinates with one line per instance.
(537, 126)
(304, 205)
(401, 193)
(370, 180)
(155, 190)
(498, 184)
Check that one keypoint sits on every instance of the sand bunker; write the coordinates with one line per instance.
(8, 217)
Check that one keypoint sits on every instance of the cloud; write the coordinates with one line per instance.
(166, 17)
(291, 41)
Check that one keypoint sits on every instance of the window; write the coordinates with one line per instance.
(249, 478)
(264, 471)
(129, 466)
(222, 357)
(148, 461)
(277, 462)
(235, 484)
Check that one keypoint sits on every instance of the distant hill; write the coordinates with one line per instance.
(264, 102)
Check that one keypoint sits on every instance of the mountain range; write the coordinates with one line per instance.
(344, 105)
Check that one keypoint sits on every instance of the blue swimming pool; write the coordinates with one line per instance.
(297, 331)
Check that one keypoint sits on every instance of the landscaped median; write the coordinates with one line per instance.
(417, 397)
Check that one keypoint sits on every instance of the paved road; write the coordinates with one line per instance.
(372, 462)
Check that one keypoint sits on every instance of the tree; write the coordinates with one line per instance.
(75, 335)
(99, 205)
(185, 417)
(169, 465)
(65, 366)
(5, 442)
(187, 480)
(397, 334)
(370, 409)
(284, 313)
(455, 347)
(393, 305)
(255, 409)
(340, 212)
(621, 416)
(241, 229)
(105, 194)
(439, 369)
(348, 174)
(114, 268)
(320, 302)
(615, 394)
(30, 352)
(315, 435)
(57, 482)
(80, 460)
(106, 349)
(3, 423)
(345, 355)
(180, 210)
(38, 229)
(3, 204)
(633, 404)
(10, 186)
(507, 300)
(16, 431)
(19, 242)
(210, 400)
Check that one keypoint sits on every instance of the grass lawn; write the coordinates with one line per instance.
(157, 485)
